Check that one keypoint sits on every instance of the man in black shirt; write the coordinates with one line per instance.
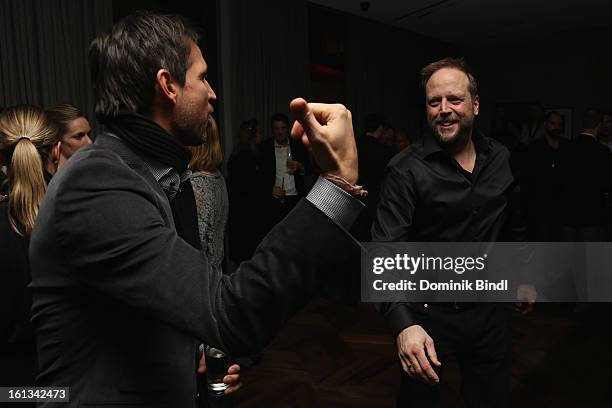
(453, 187)
(542, 180)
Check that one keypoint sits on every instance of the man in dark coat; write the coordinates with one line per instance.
(586, 184)
(120, 301)
(373, 157)
(542, 179)
(283, 163)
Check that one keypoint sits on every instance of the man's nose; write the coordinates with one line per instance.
(211, 94)
(444, 106)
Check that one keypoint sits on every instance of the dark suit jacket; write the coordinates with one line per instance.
(373, 158)
(587, 179)
(267, 164)
(120, 301)
(542, 177)
(17, 345)
(247, 197)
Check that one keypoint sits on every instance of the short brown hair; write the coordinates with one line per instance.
(125, 61)
(449, 62)
(207, 156)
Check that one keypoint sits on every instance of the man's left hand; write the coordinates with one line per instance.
(232, 378)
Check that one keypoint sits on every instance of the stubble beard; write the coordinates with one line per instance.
(190, 128)
(463, 133)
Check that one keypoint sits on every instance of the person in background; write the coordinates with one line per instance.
(388, 136)
(533, 127)
(210, 194)
(402, 141)
(246, 193)
(373, 156)
(26, 139)
(586, 184)
(542, 179)
(75, 131)
(604, 132)
(283, 163)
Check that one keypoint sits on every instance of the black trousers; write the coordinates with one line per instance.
(479, 338)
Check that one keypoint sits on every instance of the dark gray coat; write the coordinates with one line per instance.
(120, 301)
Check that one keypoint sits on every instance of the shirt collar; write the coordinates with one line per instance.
(280, 146)
(168, 178)
(431, 147)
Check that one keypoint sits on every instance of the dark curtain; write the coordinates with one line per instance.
(43, 50)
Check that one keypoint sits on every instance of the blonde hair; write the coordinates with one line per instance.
(207, 156)
(24, 130)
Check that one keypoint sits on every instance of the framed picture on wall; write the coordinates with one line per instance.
(567, 114)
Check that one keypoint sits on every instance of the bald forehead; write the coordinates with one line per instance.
(447, 79)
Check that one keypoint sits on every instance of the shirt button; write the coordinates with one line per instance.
(425, 305)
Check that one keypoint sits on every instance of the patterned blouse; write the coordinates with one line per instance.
(212, 203)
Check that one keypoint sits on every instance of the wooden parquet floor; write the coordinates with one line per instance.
(332, 355)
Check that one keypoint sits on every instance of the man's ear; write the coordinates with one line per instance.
(476, 105)
(166, 86)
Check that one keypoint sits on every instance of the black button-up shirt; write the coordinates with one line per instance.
(428, 197)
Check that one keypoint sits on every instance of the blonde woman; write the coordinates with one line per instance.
(210, 194)
(27, 139)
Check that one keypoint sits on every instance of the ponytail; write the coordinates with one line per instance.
(25, 132)
(27, 182)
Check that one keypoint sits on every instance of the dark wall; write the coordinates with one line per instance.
(327, 31)
(567, 70)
